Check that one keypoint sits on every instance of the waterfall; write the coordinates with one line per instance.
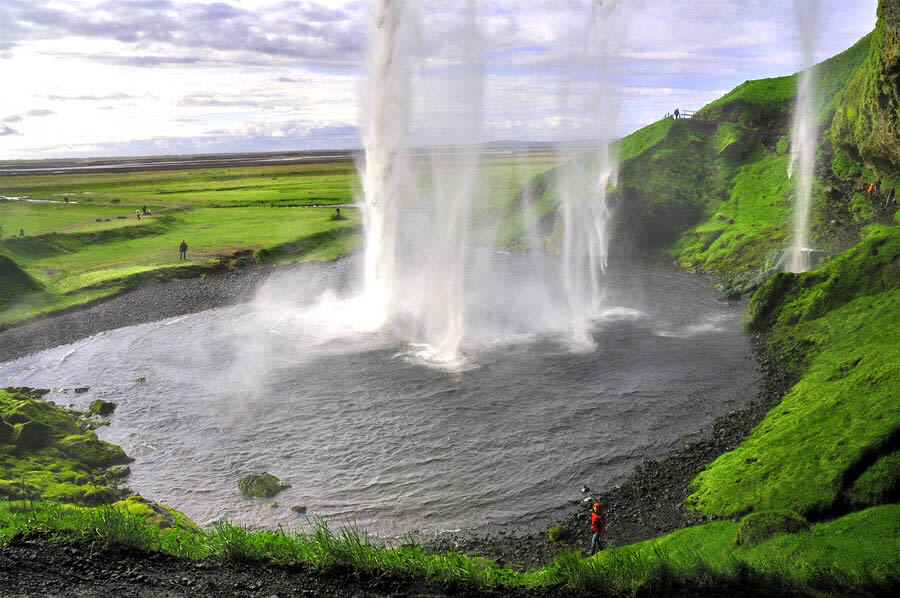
(803, 136)
(583, 183)
(417, 210)
(384, 130)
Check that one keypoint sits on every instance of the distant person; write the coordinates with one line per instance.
(182, 250)
(676, 113)
(337, 215)
(598, 528)
(21, 232)
(891, 197)
(66, 198)
(144, 209)
(878, 186)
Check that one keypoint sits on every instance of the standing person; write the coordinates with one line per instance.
(598, 528)
(676, 113)
(182, 250)
(891, 196)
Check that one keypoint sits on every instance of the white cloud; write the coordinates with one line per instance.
(125, 75)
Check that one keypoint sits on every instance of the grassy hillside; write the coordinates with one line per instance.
(713, 190)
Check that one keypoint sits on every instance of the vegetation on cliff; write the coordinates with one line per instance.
(867, 123)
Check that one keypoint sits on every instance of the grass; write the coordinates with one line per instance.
(837, 328)
(857, 553)
(301, 184)
(73, 253)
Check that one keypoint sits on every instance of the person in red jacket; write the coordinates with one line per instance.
(598, 527)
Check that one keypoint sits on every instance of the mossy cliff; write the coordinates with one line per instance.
(713, 191)
(867, 123)
(830, 446)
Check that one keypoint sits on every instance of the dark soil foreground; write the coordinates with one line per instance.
(36, 565)
(645, 506)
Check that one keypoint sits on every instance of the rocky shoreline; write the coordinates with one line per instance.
(646, 505)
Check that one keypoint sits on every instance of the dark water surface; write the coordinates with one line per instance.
(366, 432)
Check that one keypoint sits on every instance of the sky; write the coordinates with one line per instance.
(160, 77)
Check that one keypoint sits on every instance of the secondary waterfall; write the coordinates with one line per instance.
(584, 182)
(803, 136)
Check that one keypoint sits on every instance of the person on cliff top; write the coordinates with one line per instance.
(598, 528)
(182, 250)
(676, 113)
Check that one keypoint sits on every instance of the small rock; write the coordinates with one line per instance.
(261, 485)
(299, 509)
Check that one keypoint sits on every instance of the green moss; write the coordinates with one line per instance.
(559, 533)
(101, 407)
(836, 329)
(868, 268)
(261, 485)
(861, 208)
(53, 459)
(156, 514)
(878, 484)
(758, 527)
(867, 119)
(92, 451)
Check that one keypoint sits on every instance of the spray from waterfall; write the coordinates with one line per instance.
(583, 183)
(803, 136)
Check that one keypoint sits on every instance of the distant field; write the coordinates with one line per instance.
(95, 245)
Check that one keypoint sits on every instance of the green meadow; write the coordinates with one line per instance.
(101, 242)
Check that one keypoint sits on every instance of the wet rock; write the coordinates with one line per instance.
(101, 407)
(261, 485)
(82, 389)
(299, 509)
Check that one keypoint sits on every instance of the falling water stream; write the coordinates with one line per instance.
(803, 136)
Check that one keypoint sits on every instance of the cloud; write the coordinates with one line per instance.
(195, 32)
(39, 112)
(210, 101)
(5, 131)
(91, 98)
(15, 118)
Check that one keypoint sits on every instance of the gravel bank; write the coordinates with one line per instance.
(147, 303)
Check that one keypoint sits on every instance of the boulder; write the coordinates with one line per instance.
(261, 485)
(101, 407)
(34, 436)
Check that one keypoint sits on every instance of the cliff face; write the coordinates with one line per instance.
(867, 123)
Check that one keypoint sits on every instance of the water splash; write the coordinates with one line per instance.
(803, 136)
